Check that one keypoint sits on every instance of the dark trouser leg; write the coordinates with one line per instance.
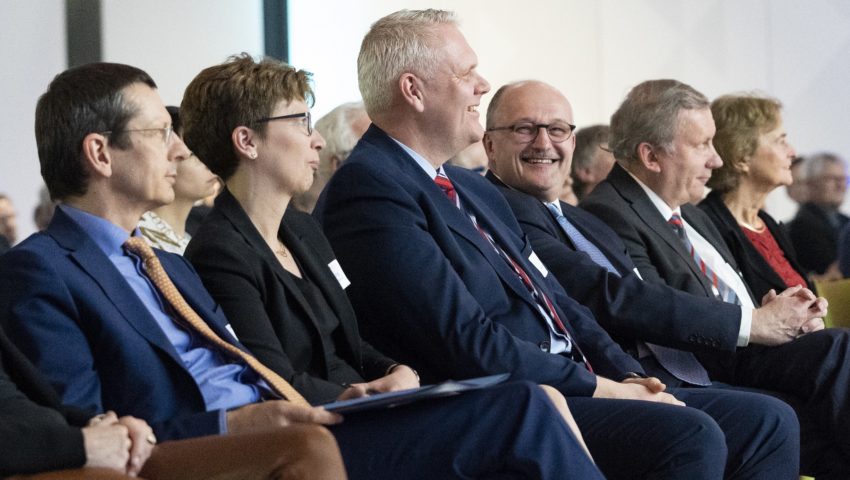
(75, 474)
(813, 374)
(762, 433)
(505, 432)
(631, 439)
(297, 452)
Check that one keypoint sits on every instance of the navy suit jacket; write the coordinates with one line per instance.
(431, 292)
(68, 308)
(629, 308)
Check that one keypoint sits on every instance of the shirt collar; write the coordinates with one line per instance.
(420, 160)
(557, 205)
(106, 235)
(660, 204)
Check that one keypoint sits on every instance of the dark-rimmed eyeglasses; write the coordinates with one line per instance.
(526, 132)
(166, 132)
(305, 115)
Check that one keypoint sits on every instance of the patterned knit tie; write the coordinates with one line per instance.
(157, 275)
(723, 290)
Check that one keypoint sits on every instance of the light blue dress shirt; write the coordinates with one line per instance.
(224, 383)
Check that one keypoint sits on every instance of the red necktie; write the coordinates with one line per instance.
(539, 296)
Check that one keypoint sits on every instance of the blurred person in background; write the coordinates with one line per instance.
(472, 158)
(341, 128)
(165, 227)
(592, 161)
(814, 230)
(8, 223)
(798, 190)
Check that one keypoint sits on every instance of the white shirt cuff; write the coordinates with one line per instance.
(746, 325)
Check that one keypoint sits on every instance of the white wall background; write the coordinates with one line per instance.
(593, 50)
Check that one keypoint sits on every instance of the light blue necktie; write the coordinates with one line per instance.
(681, 364)
(581, 242)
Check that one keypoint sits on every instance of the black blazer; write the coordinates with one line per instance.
(37, 433)
(758, 274)
(242, 273)
(814, 238)
(627, 307)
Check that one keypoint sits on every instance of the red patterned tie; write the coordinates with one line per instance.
(539, 296)
(724, 291)
(444, 183)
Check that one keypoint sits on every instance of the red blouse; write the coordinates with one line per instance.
(769, 249)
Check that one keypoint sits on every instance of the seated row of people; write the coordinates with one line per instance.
(429, 263)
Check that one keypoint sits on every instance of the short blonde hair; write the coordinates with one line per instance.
(397, 43)
(739, 119)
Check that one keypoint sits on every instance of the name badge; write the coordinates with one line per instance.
(229, 328)
(638, 273)
(344, 282)
(535, 260)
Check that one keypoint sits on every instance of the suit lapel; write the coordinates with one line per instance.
(604, 245)
(646, 211)
(693, 216)
(456, 220)
(90, 259)
(483, 215)
(231, 210)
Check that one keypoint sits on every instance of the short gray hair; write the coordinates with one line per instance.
(814, 164)
(650, 113)
(335, 127)
(397, 43)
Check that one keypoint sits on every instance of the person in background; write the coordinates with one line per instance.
(568, 195)
(341, 128)
(43, 212)
(814, 230)
(472, 158)
(592, 160)
(8, 223)
(798, 190)
(165, 227)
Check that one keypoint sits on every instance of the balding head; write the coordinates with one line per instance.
(521, 154)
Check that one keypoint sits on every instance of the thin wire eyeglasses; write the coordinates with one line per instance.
(526, 132)
(166, 132)
(290, 116)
